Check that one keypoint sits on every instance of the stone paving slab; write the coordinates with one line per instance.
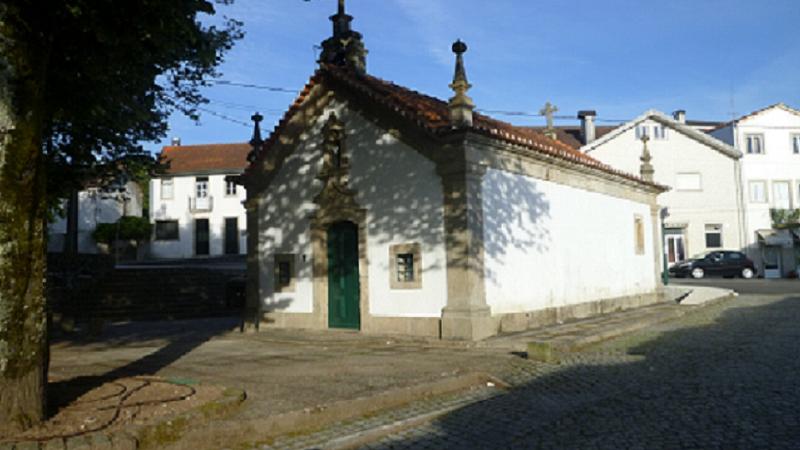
(549, 344)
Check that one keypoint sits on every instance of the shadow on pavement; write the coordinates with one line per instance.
(732, 384)
(182, 337)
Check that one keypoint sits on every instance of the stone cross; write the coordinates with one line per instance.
(547, 112)
(646, 170)
(255, 141)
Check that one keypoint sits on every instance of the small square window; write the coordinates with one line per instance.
(230, 188)
(167, 230)
(659, 132)
(405, 267)
(405, 261)
(284, 273)
(167, 188)
(796, 144)
(641, 131)
(714, 236)
(754, 144)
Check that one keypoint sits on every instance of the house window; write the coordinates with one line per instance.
(201, 187)
(167, 188)
(230, 188)
(796, 144)
(405, 266)
(638, 224)
(641, 131)
(659, 132)
(284, 273)
(714, 236)
(758, 192)
(754, 143)
(688, 182)
(167, 230)
(781, 194)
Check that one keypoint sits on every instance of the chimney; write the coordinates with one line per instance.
(588, 132)
(176, 142)
(460, 104)
(680, 116)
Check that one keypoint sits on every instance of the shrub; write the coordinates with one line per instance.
(130, 229)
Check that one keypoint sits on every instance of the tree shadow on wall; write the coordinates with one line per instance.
(403, 195)
(730, 384)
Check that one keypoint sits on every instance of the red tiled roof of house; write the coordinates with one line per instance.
(432, 115)
(571, 135)
(205, 158)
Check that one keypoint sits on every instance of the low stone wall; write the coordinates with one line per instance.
(550, 316)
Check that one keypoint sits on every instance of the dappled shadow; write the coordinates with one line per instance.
(730, 384)
(402, 193)
(181, 338)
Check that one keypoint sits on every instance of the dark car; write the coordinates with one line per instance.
(716, 263)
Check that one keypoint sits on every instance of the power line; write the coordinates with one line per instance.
(224, 117)
(255, 86)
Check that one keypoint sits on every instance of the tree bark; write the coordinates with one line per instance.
(23, 328)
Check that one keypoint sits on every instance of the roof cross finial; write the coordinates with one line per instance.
(256, 140)
(547, 112)
(646, 170)
(460, 104)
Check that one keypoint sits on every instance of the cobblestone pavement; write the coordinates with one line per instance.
(725, 377)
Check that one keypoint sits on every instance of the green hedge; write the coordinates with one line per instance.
(130, 229)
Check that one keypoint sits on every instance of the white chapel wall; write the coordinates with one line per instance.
(550, 245)
(402, 194)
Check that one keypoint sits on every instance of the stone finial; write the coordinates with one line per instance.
(256, 140)
(460, 104)
(646, 170)
(345, 47)
(547, 112)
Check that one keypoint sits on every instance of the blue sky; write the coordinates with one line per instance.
(619, 57)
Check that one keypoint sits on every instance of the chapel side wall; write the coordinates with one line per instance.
(542, 240)
(717, 200)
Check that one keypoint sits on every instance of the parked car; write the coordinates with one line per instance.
(715, 263)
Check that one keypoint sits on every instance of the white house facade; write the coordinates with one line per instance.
(705, 202)
(377, 208)
(769, 140)
(195, 210)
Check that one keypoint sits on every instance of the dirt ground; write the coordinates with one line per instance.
(88, 404)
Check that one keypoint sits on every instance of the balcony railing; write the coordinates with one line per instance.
(201, 204)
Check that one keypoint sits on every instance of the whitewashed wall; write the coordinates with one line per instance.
(177, 208)
(778, 163)
(715, 203)
(550, 245)
(94, 207)
(402, 195)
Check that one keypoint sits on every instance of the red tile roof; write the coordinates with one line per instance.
(432, 115)
(571, 135)
(206, 158)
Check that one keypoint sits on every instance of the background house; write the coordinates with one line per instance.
(705, 202)
(769, 140)
(195, 211)
(96, 205)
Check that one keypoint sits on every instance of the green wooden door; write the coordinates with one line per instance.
(343, 293)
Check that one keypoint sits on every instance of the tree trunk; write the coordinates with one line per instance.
(23, 327)
(71, 237)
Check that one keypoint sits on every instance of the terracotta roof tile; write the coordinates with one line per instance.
(206, 158)
(433, 115)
